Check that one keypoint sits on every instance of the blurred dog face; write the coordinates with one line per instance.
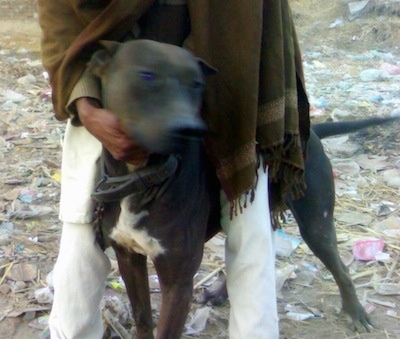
(155, 89)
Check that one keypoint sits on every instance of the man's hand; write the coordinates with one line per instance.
(102, 124)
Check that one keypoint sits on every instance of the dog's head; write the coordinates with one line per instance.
(155, 89)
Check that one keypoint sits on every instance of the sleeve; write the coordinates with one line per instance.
(71, 30)
(62, 21)
(88, 85)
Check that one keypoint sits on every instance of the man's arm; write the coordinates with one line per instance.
(71, 30)
(62, 23)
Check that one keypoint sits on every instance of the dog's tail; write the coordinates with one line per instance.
(329, 129)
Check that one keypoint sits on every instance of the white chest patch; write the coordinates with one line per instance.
(139, 241)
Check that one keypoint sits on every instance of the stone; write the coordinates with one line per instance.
(392, 177)
(356, 8)
(19, 286)
(44, 295)
(27, 80)
(13, 96)
(23, 272)
(5, 289)
(372, 74)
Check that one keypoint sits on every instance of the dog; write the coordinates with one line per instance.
(169, 207)
(160, 210)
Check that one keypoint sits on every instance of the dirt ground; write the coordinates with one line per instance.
(30, 152)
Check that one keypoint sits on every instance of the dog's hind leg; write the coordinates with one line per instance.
(133, 269)
(314, 215)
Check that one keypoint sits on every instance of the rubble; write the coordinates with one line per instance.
(381, 7)
(344, 82)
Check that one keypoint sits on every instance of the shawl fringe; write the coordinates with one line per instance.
(284, 178)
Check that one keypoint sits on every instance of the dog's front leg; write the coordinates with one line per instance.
(133, 269)
(175, 274)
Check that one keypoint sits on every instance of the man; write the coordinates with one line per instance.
(255, 107)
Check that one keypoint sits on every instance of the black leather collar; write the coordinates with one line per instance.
(110, 189)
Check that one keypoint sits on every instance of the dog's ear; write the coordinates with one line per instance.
(100, 59)
(206, 68)
(110, 46)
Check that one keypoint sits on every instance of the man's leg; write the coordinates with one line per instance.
(81, 267)
(250, 263)
(79, 282)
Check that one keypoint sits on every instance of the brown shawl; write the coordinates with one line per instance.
(257, 101)
(255, 105)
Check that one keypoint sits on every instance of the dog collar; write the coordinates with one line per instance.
(110, 189)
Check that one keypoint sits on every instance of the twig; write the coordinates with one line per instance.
(48, 174)
(6, 272)
(391, 270)
(208, 277)
(300, 284)
(361, 274)
(369, 230)
(393, 316)
(117, 327)
(371, 283)
(393, 246)
(382, 303)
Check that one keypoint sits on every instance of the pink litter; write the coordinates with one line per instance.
(390, 68)
(366, 250)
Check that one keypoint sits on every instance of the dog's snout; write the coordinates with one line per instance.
(186, 122)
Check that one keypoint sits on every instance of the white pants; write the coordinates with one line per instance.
(250, 267)
(81, 268)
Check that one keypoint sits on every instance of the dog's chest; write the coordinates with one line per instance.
(127, 234)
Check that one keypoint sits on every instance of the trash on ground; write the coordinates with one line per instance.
(366, 250)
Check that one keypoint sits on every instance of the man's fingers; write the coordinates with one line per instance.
(104, 125)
